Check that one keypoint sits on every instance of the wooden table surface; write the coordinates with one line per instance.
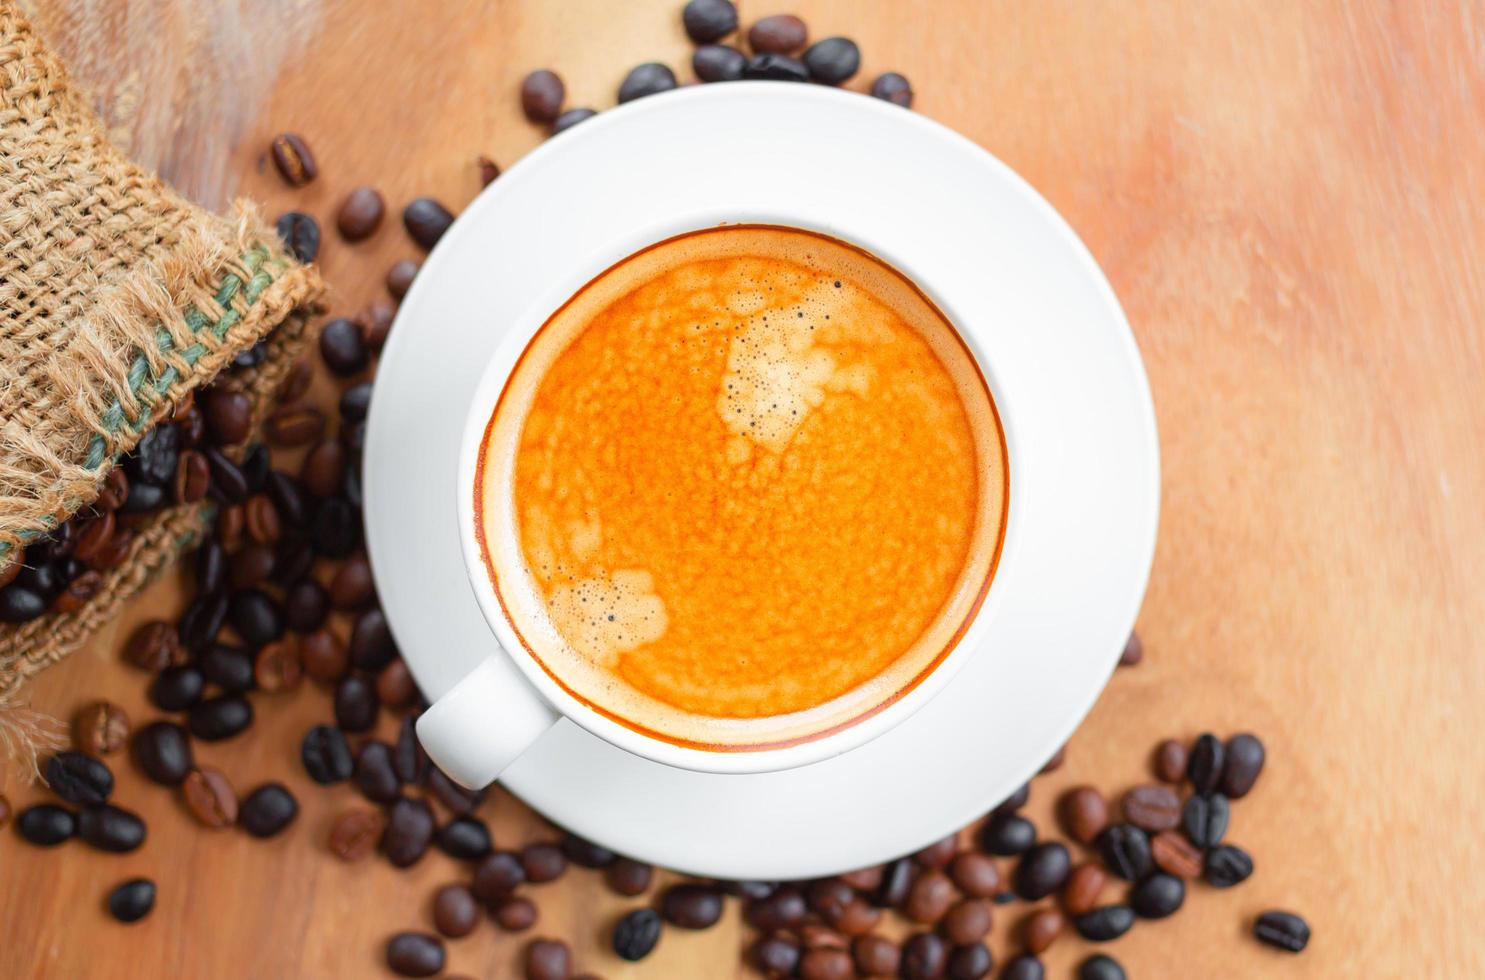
(1290, 202)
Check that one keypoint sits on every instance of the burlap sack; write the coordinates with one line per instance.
(117, 297)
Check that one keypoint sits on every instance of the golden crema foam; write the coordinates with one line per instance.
(745, 488)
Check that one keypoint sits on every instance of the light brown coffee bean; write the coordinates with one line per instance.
(1085, 813)
(967, 921)
(400, 277)
(78, 592)
(1084, 888)
(857, 917)
(95, 535)
(514, 914)
(323, 657)
(210, 798)
(295, 425)
(192, 477)
(360, 213)
(1042, 928)
(229, 415)
(352, 587)
(930, 897)
(153, 646)
(376, 323)
(548, 959)
(101, 728)
(278, 667)
(1152, 807)
(293, 159)
(864, 879)
(355, 833)
(778, 34)
(826, 964)
(113, 554)
(1176, 855)
(296, 381)
(262, 520)
(814, 936)
(115, 489)
(394, 685)
(876, 956)
(1171, 758)
(455, 911)
(975, 874)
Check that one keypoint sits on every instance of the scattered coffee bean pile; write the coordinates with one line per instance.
(283, 577)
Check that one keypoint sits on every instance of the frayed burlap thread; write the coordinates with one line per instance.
(117, 297)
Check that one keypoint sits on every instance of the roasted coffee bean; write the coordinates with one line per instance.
(324, 468)
(220, 717)
(1042, 870)
(455, 911)
(394, 685)
(967, 921)
(376, 324)
(1152, 807)
(649, 78)
(1157, 896)
(353, 436)
(78, 779)
(300, 234)
(110, 828)
(117, 549)
(163, 752)
(875, 956)
(718, 63)
(938, 854)
(371, 646)
(1175, 854)
(863, 879)
(256, 617)
(692, 906)
(975, 874)
(1023, 967)
(897, 879)
(228, 483)
(153, 646)
(360, 213)
(628, 877)
(267, 810)
(45, 824)
(292, 562)
(277, 667)
(548, 959)
(252, 565)
(322, 656)
(352, 587)
(465, 838)
(543, 862)
(455, 798)
(833, 60)
(19, 604)
(969, 962)
(101, 728)
(1101, 967)
(707, 20)
(826, 964)
(857, 918)
(408, 757)
(1227, 865)
(355, 402)
(296, 382)
(514, 914)
(305, 606)
(43, 578)
(1282, 930)
(1134, 651)
(342, 347)
(542, 93)
(924, 957)
(415, 954)
(199, 625)
(893, 87)
(1205, 820)
(211, 567)
(586, 854)
(78, 592)
(1083, 889)
(228, 526)
(497, 875)
(1171, 759)
(295, 163)
(1126, 851)
(287, 499)
(91, 542)
(153, 459)
(409, 831)
(210, 798)
(115, 491)
(829, 896)
(356, 833)
(375, 777)
(295, 425)
(255, 466)
(1054, 763)
(336, 530)
(636, 933)
(571, 118)
(784, 909)
(132, 900)
(176, 688)
(426, 220)
(1015, 801)
(400, 276)
(1105, 923)
(326, 756)
(1205, 768)
(191, 424)
(1084, 812)
(777, 68)
(1244, 762)
(779, 34)
(929, 897)
(1007, 833)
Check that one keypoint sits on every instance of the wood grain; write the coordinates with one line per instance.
(1288, 201)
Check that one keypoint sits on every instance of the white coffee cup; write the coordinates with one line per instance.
(503, 706)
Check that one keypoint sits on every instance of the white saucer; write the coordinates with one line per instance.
(1061, 351)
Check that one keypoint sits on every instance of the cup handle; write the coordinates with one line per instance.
(475, 731)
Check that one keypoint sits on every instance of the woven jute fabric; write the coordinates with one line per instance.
(117, 297)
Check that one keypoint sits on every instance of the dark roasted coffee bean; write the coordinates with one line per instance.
(256, 617)
(78, 778)
(1134, 651)
(376, 323)
(176, 688)
(1126, 851)
(211, 566)
(718, 63)
(1023, 967)
(1042, 870)
(833, 60)
(548, 959)
(514, 914)
(118, 548)
(455, 798)
(938, 854)
(210, 798)
(1227, 865)
(300, 234)
(132, 900)
(455, 911)
(497, 875)
(360, 213)
(255, 466)
(1007, 833)
(543, 862)
(163, 751)
(649, 78)
(636, 934)
(692, 906)
(342, 347)
(1015, 801)
(415, 954)
(409, 831)
(628, 877)
(1244, 762)
(200, 623)
(295, 425)
(220, 717)
(542, 93)
(776, 68)
(1054, 763)
(322, 656)
(1171, 759)
(252, 565)
(326, 756)
(356, 833)
(78, 592)
(924, 957)
(110, 828)
(586, 854)
(1157, 896)
(571, 118)
(92, 540)
(228, 483)
(324, 469)
(1084, 812)
(336, 529)
(1084, 888)
(45, 578)
(251, 357)
(58, 544)
(20, 605)
(287, 499)
(1175, 854)
(708, 20)
(967, 921)
(153, 459)
(1153, 807)
(296, 382)
(894, 88)
(897, 879)
(292, 157)
(228, 526)
(784, 909)
(1205, 768)
(394, 685)
(969, 962)
(929, 897)
(1103, 924)
(875, 956)
(1282, 930)
(408, 757)
(115, 490)
(1205, 820)
(267, 810)
(400, 277)
(371, 646)
(46, 824)
(779, 34)
(975, 874)
(1101, 967)
(101, 728)
(465, 838)
(426, 220)
(353, 436)
(305, 606)
(292, 562)
(829, 896)
(355, 402)
(375, 777)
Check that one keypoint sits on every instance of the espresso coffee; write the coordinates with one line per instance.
(745, 488)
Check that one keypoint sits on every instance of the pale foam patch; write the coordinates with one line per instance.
(608, 614)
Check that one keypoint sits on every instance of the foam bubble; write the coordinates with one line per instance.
(608, 614)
